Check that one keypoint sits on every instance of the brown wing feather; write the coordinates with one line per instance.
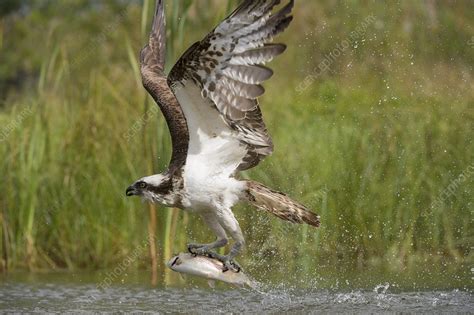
(152, 61)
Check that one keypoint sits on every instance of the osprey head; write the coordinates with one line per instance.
(157, 189)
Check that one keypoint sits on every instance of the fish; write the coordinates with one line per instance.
(209, 268)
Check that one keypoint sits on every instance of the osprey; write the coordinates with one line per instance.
(209, 101)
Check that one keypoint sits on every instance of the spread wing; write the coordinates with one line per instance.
(218, 80)
(152, 61)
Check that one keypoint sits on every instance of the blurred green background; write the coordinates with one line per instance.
(371, 111)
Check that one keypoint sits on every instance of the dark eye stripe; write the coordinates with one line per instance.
(164, 188)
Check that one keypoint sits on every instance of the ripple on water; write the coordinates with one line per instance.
(86, 298)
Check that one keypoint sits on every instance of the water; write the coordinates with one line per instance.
(63, 293)
(86, 298)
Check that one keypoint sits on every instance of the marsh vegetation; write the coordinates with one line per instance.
(371, 136)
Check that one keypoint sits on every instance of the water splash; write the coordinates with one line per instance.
(381, 288)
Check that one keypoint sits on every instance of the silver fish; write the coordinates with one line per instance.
(208, 268)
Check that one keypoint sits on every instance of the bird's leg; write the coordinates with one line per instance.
(231, 225)
(205, 249)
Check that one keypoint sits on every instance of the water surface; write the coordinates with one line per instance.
(66, 292)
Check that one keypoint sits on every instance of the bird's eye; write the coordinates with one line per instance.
(142, 185)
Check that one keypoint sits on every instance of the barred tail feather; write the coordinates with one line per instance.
(280, 205)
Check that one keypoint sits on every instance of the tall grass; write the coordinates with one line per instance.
(370, 146)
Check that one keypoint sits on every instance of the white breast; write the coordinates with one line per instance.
(214, 152)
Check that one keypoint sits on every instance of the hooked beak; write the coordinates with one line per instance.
(131, 191)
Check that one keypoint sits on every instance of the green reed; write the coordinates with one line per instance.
(369, 146)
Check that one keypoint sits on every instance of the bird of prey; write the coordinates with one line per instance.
(210, 103)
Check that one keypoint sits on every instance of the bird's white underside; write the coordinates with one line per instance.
(214, 154)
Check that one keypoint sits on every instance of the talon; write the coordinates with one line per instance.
(231, 265)
(191, 249)
(199, 250)
(194, 249)
(237, 267)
